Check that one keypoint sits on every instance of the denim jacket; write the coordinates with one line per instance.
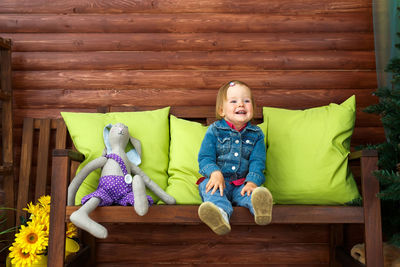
(236, 154)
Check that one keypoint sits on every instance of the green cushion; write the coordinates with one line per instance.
(307, 154)
(183, 170)
(150, 127)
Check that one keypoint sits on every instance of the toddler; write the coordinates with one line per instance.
(232, 161)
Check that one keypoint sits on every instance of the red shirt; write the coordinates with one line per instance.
(233, 126)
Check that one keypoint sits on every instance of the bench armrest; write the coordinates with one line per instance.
(71, 154)
(363, 153)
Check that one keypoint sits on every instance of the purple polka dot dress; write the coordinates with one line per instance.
(113, 189)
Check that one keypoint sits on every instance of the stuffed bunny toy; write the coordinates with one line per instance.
(116, 184)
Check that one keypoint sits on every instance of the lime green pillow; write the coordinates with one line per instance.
(150, 127)
(307, 154)
(183, 169)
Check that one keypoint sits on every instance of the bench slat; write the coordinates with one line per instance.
(187, 214)
(25, 167)
(61, 134)
(43, 156)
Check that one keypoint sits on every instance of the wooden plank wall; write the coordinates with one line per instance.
(76, 55)
(80, 54)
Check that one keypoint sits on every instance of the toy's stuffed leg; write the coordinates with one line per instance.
(153, 186)
(141, 204)
(159, 191)
(82, 220)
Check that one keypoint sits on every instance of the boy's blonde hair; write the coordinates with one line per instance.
(223, 93)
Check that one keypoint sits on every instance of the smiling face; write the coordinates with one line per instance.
(237, 108)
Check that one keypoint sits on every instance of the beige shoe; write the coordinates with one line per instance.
(211, 215)
(261, 199)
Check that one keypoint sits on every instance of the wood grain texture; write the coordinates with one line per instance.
(61, 134)
(191, 41)
(180, 234)
(185, 23)
(372, 243)
(178, 6)
(187, 214)
(7, 140)
(214, 253)
(114, 80)
(25, 167)
(57, 216)
(195, 60)
(368, 135)
(43, 158)
(293, 99)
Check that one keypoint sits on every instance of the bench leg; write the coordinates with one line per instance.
(59, 183)
(336, 240)
(372, 213)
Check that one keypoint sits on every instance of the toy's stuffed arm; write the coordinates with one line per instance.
(153, 186)
(136, 144)
(78, 179)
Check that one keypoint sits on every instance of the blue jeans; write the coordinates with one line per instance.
(231, 197)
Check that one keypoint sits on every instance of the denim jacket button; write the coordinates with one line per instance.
(237, 141)
(247, 141)
(233, 167)
(236, 154)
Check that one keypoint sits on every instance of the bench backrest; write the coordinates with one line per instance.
(39, 138)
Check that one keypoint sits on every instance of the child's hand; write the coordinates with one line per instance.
(248, 188)
(216, 181)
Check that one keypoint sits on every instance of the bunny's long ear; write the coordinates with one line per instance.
(106, 133)
(135, 153)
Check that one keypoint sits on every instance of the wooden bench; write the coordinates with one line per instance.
(175, 235)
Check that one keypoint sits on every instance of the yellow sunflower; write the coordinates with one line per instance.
(32, 209)
(32, 238)
(20, 258)
(44, 202)
(42, 219)
(72, 231)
